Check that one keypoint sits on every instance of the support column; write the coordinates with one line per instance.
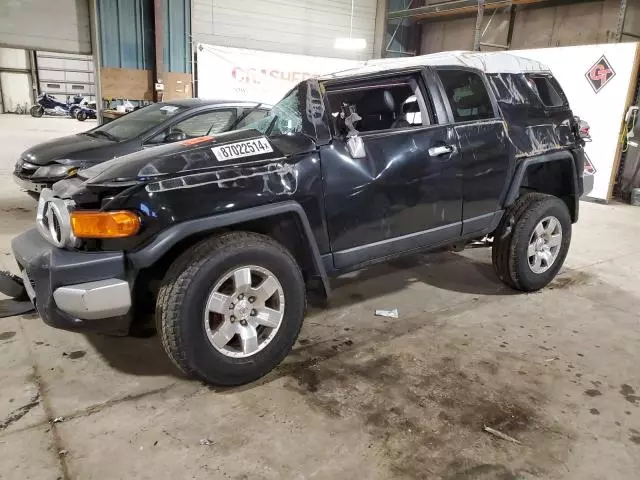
(380, 32)
(158, 31)
(94, 25)
(621, 17)
(476, 33)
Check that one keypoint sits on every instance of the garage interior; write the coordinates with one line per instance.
(361, 395)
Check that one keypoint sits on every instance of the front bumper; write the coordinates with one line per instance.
(29, 185)
(72, 290)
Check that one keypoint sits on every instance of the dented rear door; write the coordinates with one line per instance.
(487, 156)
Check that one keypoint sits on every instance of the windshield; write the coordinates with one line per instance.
(139, 121)
(285, 118)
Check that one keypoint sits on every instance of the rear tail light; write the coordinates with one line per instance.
(584, 129)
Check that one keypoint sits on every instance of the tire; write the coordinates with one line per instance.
(73, 111)
(185, 293)
(81, 116)
(515, 236)
(37, 111)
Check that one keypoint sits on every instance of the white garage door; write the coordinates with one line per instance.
(305, 27)
(61, 25)
(65, 74)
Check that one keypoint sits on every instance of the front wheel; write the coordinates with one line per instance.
(81, 116)
(230, 308)
(37, 111)
(532, 242)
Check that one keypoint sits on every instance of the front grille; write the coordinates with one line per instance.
(53, 221)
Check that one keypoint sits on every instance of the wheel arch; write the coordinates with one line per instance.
(552, 173)
(286, 222)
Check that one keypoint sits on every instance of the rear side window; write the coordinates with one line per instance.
(544, 88)
(467, 95)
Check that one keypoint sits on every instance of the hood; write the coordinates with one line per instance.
(79, 146)
(203, 153)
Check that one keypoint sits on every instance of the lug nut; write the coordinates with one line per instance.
(241, 296)
(252, 299)
(233, 319)
(243, 323)
(253, 312)
(232, 306)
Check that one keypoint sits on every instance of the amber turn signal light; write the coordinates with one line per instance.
(96, 224)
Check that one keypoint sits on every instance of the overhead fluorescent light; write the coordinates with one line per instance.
(350, 43)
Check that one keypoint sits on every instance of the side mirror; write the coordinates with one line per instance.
(175, 137)
(355, 145)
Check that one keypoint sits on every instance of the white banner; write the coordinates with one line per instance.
(596, 80)
(226, 73)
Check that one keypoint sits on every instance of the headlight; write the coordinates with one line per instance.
(55, 171)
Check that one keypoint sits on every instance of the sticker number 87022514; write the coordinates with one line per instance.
(247, 148)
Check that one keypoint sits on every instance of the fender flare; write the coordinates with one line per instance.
(521, 169)
(165, 240)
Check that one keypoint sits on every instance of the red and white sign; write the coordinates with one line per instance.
(226, 73)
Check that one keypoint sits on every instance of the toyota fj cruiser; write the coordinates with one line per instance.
(223, 236)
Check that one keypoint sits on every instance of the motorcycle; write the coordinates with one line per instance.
(86, 111)
(46, 103)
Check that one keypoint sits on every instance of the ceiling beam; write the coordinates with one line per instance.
(455, 7)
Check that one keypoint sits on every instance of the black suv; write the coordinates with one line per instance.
(223, 236)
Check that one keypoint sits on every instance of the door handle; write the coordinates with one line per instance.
(441, 150)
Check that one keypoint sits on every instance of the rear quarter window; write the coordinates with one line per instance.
(544, 88)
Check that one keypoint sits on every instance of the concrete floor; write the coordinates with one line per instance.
(361, 396)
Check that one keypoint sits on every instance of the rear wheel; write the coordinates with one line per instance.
(532, 242)
(230, 308)
(37, 111)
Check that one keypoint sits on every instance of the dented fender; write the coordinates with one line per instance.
(165, 240)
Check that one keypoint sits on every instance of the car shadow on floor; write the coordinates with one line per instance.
(135, 355)
(449, 271)
(471, 273)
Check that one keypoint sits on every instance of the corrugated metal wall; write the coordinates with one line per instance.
(307, 27)
(61, 25)
(126, 34)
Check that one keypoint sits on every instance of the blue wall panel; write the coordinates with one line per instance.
(126, 34)
(177, 33)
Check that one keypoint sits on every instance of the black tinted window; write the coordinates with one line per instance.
(139, 121)
(467, 95)
(546, 91)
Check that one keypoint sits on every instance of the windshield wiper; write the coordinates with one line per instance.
(105, 135)
(242, 117)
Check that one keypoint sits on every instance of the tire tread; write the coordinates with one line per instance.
(178, 278)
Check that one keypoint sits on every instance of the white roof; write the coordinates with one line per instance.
(488, 62)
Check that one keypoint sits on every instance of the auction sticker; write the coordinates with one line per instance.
(246, 148)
